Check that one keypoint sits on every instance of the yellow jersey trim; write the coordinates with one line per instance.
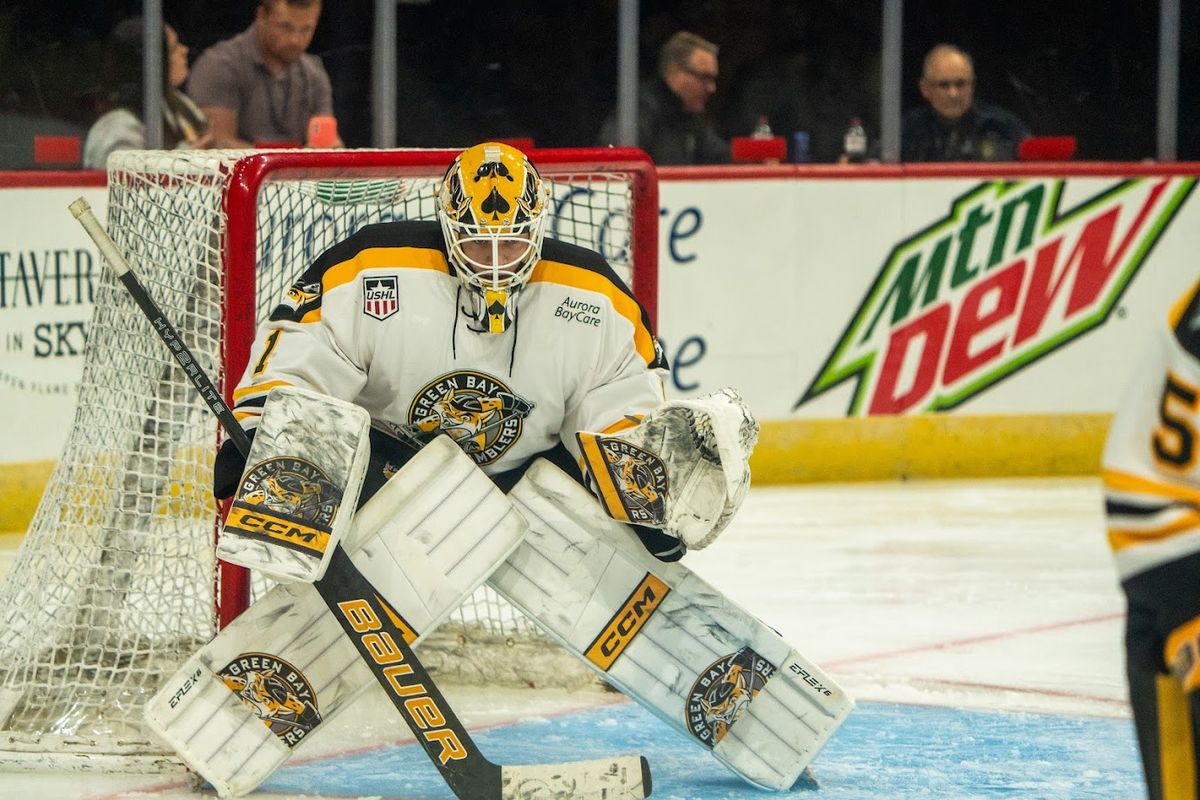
(582, 278)
(1120, 538)
(256, 389)
(376, 258)
(1181, 305)
(1125, 482)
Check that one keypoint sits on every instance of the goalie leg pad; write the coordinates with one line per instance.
(666, 637)
(426, 540)
(300, 487)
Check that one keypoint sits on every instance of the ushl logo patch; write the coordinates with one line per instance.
(381, 296)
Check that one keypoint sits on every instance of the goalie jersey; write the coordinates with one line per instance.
(1151, 466)
(379, 320)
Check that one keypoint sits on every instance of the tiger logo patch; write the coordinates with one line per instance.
(278, 693)
(288, 501)
(722, 692)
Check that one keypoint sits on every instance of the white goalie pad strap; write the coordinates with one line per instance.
(684, 469)
(666, 637)
(300, 487)
(237, 709)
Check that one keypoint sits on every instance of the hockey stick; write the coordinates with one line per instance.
(380, 634)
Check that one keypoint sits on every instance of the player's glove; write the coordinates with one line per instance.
(683, 470)
(228, 468)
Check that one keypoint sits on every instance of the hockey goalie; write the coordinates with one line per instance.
(411, 335)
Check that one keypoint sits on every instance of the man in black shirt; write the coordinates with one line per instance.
(953, 126)
(672, 126)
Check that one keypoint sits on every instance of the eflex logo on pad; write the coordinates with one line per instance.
(1005, 278)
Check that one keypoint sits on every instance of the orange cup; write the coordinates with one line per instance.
(322, 132)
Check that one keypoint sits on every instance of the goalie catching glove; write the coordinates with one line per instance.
(684, 468)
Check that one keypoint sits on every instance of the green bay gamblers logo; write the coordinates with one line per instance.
(722, 692)
(277, 692)
(1002, 280)
(288, 501)
(634, 478)
(479, 412)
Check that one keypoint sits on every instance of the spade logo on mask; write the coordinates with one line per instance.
(495, 204)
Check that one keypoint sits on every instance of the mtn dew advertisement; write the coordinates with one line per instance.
(1006, 277)
(909, 295)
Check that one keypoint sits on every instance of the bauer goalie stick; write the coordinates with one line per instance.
(371, 625)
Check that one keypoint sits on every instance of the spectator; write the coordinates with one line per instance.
(261, 85)
(120, 126)
(953, 126)
(672, 125)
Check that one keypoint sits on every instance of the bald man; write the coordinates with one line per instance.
(952, 125)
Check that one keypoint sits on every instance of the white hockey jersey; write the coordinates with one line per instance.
(379, 320)
(1151, 463)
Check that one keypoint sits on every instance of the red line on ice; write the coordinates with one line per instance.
(970, 640)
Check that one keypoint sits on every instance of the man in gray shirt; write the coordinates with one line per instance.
(260, 85)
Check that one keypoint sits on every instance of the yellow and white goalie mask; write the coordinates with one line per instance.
(492, 207)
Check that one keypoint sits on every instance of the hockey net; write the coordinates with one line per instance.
(116, 582)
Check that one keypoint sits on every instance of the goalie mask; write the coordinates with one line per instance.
(492, 207)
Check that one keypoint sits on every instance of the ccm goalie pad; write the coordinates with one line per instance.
(665, 637)
(284, 668)
(683, 469)
(300, 487)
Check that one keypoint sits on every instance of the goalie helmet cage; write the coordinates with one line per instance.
(116, 582)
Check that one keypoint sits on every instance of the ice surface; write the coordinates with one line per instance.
(978, 624)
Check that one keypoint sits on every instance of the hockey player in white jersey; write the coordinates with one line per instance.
(480, 327)
(1152, 497)
(534, 357)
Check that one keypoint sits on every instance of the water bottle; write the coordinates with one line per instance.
(762, 128)
(854, 144)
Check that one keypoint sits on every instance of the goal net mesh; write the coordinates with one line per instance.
(116, 582)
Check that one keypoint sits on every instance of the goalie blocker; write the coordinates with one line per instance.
(298, 491)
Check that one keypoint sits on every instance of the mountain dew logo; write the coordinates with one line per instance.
(1004, 279)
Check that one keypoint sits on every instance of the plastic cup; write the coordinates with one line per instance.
(322, 132)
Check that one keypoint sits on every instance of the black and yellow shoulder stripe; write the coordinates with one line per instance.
(404, 244)
(571, 265)
(1185, 320)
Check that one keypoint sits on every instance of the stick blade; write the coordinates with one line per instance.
(618, 778)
